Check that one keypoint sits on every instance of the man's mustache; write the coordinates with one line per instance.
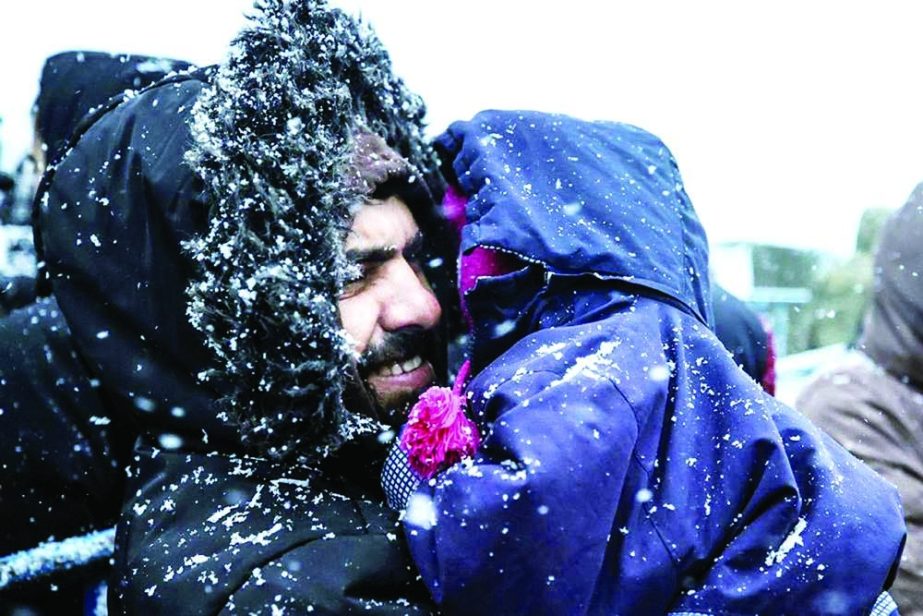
(398, 346)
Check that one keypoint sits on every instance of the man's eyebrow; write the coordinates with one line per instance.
(380, 254)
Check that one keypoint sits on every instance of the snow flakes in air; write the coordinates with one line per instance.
(170, 442)
(643, 495)
(572, 209)
(659, 373)
(504, 328)
(420, 512)
(145, 404)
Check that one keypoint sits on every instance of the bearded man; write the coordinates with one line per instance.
(238, 256)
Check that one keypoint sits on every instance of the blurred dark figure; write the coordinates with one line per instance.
(746, 336)
(7, 194)
(72, 84)
(62, 454)
(75, 82)
(18, 209)
(17, 256)
(873, 402)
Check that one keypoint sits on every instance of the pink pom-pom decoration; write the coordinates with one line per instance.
(438, 434)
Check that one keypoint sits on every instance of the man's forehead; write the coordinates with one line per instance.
(385, 223)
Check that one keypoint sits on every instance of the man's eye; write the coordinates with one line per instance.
(354, 274)
(360, 274)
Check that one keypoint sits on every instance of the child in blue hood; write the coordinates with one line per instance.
(627, 466)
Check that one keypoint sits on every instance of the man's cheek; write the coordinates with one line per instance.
(358, 318)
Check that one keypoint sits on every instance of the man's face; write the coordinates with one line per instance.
(389, 312)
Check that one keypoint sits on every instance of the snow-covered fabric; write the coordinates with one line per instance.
(74, 82)
(627, 465)
(193, 234)
(273, 138)
(210, 534)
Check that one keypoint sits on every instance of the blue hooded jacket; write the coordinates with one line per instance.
(628, 466)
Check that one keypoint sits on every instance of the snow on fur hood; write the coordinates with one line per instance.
(273, 138)
(244, 235)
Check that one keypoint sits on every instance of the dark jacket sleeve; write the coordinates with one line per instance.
(60, 451)
(209, 534)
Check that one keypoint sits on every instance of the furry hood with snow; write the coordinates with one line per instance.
(273, 140)
(193, 233)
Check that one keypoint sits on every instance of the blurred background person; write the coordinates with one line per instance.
(75, 82)
(7, 185)
(62, 455)
(746, 335)
(872, 403)
(72, 84)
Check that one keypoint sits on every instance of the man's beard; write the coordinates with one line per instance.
(398, 347)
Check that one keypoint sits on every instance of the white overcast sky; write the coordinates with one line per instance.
(787, 118)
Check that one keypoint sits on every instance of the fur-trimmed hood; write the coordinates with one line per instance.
(273, 142)
(220, 199)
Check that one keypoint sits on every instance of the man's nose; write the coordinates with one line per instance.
(411, 301)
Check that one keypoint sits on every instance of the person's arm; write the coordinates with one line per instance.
(523, 528)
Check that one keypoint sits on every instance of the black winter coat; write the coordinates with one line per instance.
(311, 538)
(193, 239)
(210, 534)
(59, 448)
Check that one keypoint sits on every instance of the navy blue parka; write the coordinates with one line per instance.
(628, 466)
